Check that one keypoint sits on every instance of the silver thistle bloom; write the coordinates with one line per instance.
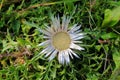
(60, 40)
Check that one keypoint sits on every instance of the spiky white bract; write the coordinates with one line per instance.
(61, 40)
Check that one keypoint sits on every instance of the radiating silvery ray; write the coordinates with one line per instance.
(61, 41)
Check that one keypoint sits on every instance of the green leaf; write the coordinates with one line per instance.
(69, 5)
(109, 35)
(16, 26)
(114, 3)
(115, 74)
(22, 41)
(116, 58)
(10, 10)
(98, 47)
(2, 23)
(91, 76)
(112, 17)
(31, 24)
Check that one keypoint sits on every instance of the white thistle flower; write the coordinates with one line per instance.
(60, 41)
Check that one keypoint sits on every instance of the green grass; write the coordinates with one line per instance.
(19, 37)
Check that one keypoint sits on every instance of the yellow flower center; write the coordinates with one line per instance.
(61, 40)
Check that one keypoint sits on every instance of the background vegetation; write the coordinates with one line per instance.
(19, 37)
